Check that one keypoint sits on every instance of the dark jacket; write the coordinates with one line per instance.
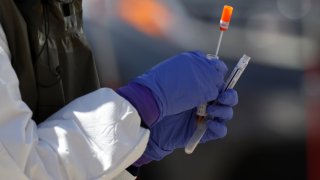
(49, 52)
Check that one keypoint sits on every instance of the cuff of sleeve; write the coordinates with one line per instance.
(142, 99)
(152, 152)
(141, 161)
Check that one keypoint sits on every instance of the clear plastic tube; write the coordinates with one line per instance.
(201, 114)
(196, 137)
(237, 71)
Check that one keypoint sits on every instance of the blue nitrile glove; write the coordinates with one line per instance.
(184, 81)
(177, 84)
(173, 88)
(175, 131)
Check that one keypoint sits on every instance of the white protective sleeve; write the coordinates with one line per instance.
(96, 136)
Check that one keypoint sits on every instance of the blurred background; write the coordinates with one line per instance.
(275, 132)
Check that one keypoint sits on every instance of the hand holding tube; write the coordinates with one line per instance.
(182, 82)
(201, 111)
(176, 86)
(174, 131)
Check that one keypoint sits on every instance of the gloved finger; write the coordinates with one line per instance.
(197, 54)
(220, 86)
(219, 112)
(212, 72)
(213, 95)
(218, 68)
(217, 75)
(228, 97)
(218, 65)
(214, 131)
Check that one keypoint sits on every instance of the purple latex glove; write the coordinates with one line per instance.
(184, 81)
(177, 84)
(166, 98)
(174, 131)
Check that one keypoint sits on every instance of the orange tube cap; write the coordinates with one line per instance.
(226, 17)
(227, 13)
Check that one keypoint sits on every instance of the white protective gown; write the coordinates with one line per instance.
(96, 136)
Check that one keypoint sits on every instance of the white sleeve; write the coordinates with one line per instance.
(94, 137)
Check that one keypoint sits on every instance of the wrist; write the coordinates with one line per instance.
(152, 153)
(142, 99)
(142, 161)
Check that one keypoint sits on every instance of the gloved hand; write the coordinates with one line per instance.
(179, 83)
(175, 131)
(166, 97)
(184, 81)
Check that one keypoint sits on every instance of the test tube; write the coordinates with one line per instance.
(201, 110)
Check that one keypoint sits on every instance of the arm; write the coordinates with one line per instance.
(95, 136)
